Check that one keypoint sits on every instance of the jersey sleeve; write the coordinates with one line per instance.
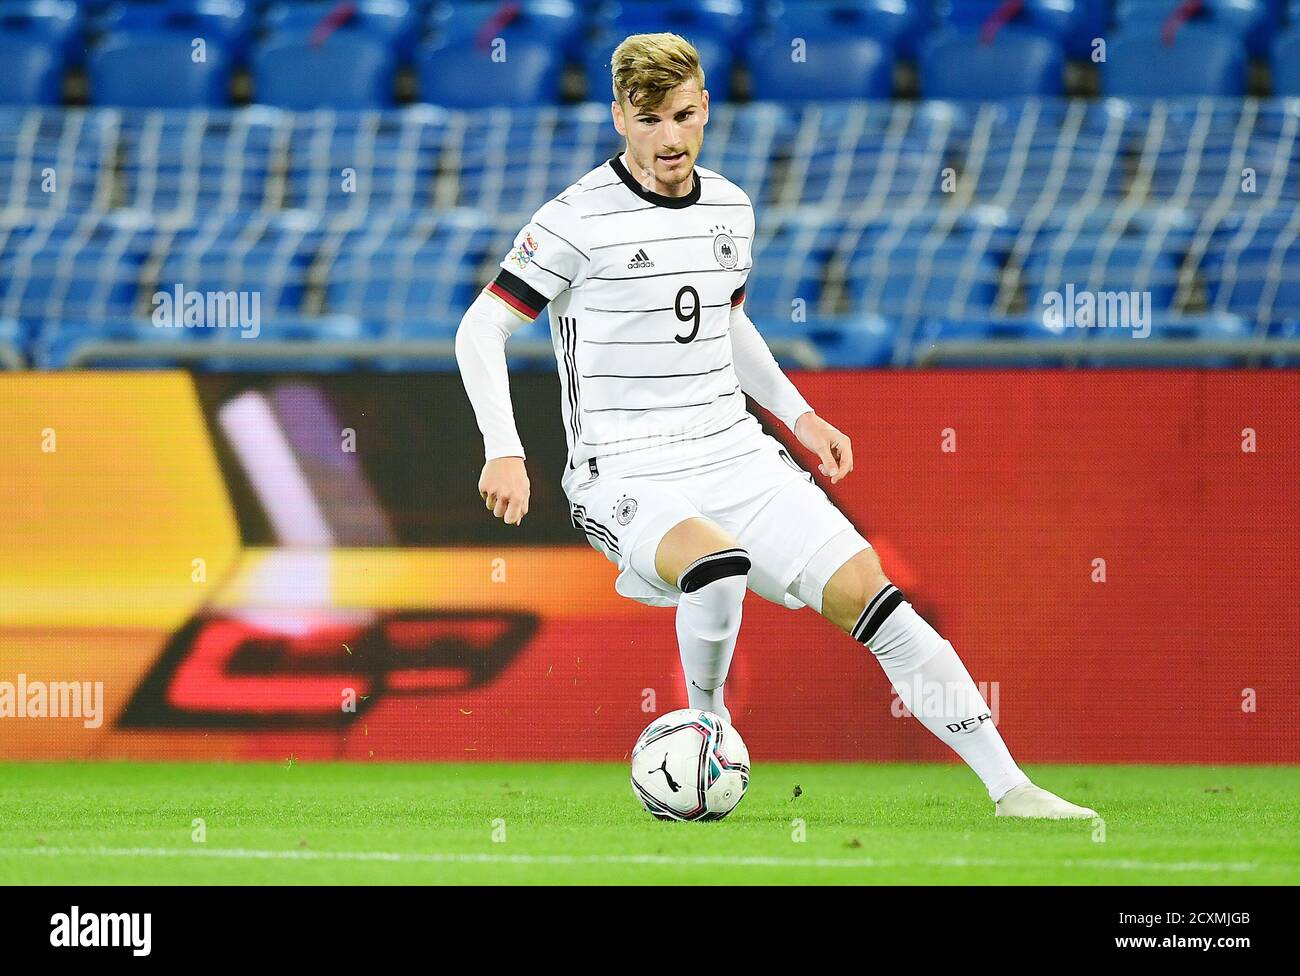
(759, 374)
(547, 257)
(481, 355)
(757, 370)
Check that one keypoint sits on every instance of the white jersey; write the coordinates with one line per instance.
(640, 288)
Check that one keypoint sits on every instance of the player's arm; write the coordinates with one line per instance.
(762, 378)
(481, 356)
(544, 261)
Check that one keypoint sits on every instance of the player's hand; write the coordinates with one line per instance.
(503, 486)
(831, 445)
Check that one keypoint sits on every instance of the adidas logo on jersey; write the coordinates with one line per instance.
(640, 260)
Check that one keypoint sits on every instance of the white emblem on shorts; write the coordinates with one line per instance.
(626, 509)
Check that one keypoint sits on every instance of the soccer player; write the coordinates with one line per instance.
(642, 264)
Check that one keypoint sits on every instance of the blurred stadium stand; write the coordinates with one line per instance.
(925, 178)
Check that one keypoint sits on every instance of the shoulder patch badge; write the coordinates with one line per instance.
(525, 252)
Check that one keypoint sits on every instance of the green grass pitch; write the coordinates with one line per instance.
(411, 823)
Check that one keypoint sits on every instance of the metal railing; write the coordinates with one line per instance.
(1073, 353)
(800, 351)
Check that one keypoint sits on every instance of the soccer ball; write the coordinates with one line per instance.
(690, 765)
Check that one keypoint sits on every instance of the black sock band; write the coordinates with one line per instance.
(716, 565)
(876, 612)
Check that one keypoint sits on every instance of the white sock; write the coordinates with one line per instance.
(708, 622)
(931, 681)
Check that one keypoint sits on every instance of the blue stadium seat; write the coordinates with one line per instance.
(98, 279)
(395, 279)
(352, 69)
(463, 76)
(908, 271)
(1286, 63)
(1086, 20)
(56, 344)
(419, 327)
(769, 294)
(1028, 330)
(1253, 21)
(60, 21)
(906, 22)
(832, 67)
(1016, 62)
(73, 265)
(851, 341)
(31, 68)
(278, 277)
(897, 24)
(469, 21)
(855, 341)
(1206, 327)
(305, 329)
(1072, 23)
(13, 342)
(967, 13)
(1244, 276)
(229, 22)
(394, 21)
(1201, 61)
(1126, 265)
(424, 327)
(156, 69)
(725, 20)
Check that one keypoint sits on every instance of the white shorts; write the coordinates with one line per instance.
(795, 536)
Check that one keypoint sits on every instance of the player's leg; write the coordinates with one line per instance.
(860, 600)
(670, 554)
(710, 569)
(803, 549)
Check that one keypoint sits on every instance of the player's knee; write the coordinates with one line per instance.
(731, 564)
(718, 579)
(871, 576)
(861, 578)
(683, 544)
(852, 587)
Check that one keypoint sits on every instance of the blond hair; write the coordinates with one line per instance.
(646, 67)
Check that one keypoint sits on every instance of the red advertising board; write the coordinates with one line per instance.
(1114, 555)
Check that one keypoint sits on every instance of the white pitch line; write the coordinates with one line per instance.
(665, 860)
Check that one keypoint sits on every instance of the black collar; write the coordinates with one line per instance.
(658, 199)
